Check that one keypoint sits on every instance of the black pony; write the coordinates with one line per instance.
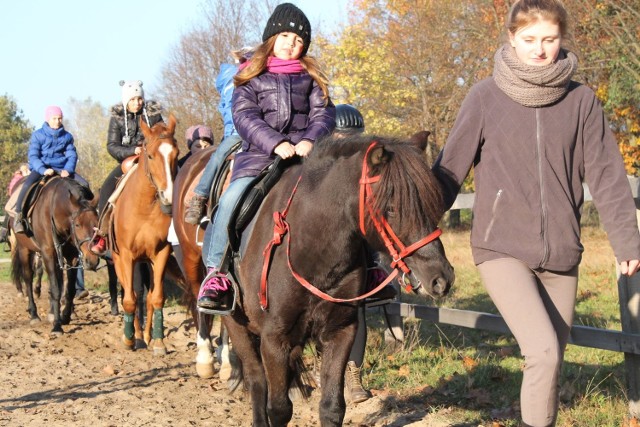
(303, 264)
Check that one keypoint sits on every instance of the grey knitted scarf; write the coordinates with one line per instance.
(531, 85)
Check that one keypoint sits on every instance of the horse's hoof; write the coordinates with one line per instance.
(20, 295)
(160, 351)
(205, 370)
(225, 371)
(114, 309)
(57, 330)
(51, 318)
(140, 344)
(127, 343)
(35, 321)
(65, 320)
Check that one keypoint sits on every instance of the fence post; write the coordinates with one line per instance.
(629, 294)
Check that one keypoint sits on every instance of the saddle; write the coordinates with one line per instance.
(31, 196)
(105, 225)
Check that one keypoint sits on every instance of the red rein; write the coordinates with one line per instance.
(367, 202)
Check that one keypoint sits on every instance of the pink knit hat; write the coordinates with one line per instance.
(51, 111)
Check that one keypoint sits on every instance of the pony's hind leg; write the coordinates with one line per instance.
(113, 289)
(204, 358)
(22, 272)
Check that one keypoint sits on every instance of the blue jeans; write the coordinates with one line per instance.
(80, 280)
(213, 165)
(217, 234)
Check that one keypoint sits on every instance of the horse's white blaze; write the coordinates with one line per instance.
(166, 149)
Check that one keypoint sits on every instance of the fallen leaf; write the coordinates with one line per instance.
(404, 371)
(469, 363)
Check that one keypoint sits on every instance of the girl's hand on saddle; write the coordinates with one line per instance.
(48, 172)
(64, 173)
(303, 148)
(138, 150)
(285, 150)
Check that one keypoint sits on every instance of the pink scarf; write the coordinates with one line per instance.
(280, 66)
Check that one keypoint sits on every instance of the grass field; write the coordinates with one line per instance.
(472, 377)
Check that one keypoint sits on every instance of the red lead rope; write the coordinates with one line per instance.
(391, 241)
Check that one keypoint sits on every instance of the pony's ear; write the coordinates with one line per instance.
(146, 131)
(379, 156)
(171, 128)
(420, 139)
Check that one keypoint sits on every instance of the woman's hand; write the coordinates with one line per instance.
(629, 268)
(48, 172)
(64, 173)
(303, 148)
(138, 150)
(285, 150)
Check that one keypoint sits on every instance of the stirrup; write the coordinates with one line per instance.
(228, 312)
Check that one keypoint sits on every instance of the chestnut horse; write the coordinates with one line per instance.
(348, 194)
(190, 238)
(63, 221)
(140, 225)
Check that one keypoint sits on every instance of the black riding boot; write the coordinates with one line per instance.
(18, 226)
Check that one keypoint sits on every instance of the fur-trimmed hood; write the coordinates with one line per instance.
(153, 109)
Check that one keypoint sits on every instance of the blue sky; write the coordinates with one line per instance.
(55, 50)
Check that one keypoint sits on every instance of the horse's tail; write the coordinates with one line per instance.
(301, 384)
(16, 268)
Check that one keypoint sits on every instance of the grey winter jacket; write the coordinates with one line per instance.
(530, 164)
(273, 107)
(119, 147)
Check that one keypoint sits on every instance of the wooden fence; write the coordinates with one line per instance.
(626, 341)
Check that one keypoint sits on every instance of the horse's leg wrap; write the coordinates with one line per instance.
(128, 325)
(157, 331)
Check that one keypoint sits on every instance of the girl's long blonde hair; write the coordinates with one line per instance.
(258, 64)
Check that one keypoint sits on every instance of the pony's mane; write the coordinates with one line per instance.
(407, 186)
(81, 193)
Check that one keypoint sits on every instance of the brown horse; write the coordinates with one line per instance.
(63, 222)
(348, 194)
(140, 225)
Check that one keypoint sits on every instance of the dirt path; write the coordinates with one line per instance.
(85, 378)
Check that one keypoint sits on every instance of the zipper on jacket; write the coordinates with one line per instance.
(543, 202)
(493, 215)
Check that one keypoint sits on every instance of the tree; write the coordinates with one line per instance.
(407, 65)
(15, 132)
(89, 123)
(608, 36)
(189, 75)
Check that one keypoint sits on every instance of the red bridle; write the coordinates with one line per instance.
(367, 202)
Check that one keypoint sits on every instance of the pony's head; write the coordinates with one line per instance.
(401, 206)
(159, 158)
(83, 221)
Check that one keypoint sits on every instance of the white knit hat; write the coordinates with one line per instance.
(131, 89)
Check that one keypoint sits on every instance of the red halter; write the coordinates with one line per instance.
(395, 247)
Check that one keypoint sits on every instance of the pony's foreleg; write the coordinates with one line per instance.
(335, 354)
(55, 292)
(154, 330)
(253, 369)
(275, 352)
(68, 293)
(124, 270)
(204, 358)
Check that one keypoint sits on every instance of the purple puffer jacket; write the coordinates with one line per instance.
(272, 108)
